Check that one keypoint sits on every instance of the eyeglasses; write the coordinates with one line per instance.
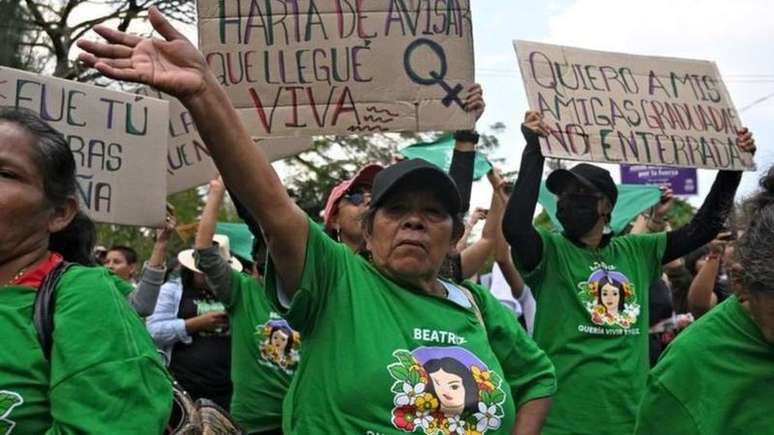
(357, 198)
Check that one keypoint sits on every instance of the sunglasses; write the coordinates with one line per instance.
(357, 198)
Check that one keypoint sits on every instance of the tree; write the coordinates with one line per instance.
(10, 50)
(313, 174)
(49, 28)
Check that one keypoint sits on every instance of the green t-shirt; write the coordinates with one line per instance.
(105, 375)
(592, 321)
(264, 355)
(383, 359)
(717, 377)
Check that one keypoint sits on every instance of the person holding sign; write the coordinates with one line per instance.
(388, 319)
(725, 359)
(592, 288)
(91, 367)
(264, 350)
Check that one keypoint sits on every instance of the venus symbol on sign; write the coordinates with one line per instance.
(436, 77)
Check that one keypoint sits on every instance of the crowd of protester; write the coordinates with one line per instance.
(379, 319)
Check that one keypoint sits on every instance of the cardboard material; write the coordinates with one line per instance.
(188, 159)
(341, 66)
(683, 181)
(623, 108)
(118, 141)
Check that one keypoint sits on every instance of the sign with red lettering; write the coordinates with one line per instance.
(309, 67)
(118, 141)
(188, 159)
(623, 108)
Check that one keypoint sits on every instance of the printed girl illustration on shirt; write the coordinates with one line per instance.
(445, 390)
(610, 298)
(279, 344)
(8, 401)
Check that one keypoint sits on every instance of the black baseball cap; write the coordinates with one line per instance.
(593, 177)
(417, 173)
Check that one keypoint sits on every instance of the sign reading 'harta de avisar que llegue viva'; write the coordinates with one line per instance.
(623, 108)
(307, 67)
(118, 140)
(188, 159)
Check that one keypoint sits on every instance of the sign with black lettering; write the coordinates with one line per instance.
(623, 108)
(188, 159)
(118, 141)
(310, 67)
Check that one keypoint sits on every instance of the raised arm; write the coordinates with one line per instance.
(174, 66)
(464, 155)
(216, 270)
(144, 298)
(502, 253)
(474, 256)
(701, 296)
(526, 245)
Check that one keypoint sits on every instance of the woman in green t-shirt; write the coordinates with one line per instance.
(101, 373)
(369, 326)
(717, 377)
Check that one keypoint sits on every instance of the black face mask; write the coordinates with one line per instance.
(577, 213)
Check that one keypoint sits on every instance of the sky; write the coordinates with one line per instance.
(737, 34)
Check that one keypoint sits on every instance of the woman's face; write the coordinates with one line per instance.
(25, 215)
(348, 212)
(611, 296)
(116, 262)
(411, 235)
(279, 339)
(449, 389)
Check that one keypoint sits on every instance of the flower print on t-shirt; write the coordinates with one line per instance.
(8, 401)
(279, 344)
(445, 390)
(609, 297)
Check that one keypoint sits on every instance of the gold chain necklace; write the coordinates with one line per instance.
(16, 277)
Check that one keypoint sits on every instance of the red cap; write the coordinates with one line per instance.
(365, 176)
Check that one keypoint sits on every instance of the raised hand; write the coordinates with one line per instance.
(744, 139)
(666, 203)
(172, 65)
(533, 121)
(474, 102)
(217, 186)
(164, 233)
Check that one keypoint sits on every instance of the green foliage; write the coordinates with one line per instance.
(543, 222)
(188, 206)
(313, 174)
(682, 212)
(12, 52)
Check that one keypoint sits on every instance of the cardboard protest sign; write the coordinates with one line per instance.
(118, 141)
(683, 181)
(312, 67)
(188, 159)
(622, 108)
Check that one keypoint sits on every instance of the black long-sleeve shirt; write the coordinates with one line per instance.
(461, 171)
(527, 246)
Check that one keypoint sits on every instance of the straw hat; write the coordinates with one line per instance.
(186, 258)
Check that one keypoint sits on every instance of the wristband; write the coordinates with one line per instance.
(470, 136)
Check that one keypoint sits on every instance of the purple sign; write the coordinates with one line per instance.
(683, 181)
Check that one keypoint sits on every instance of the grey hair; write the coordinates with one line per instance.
(755, 249)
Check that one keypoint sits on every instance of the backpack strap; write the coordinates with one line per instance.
(43, 310)
(477, 311)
